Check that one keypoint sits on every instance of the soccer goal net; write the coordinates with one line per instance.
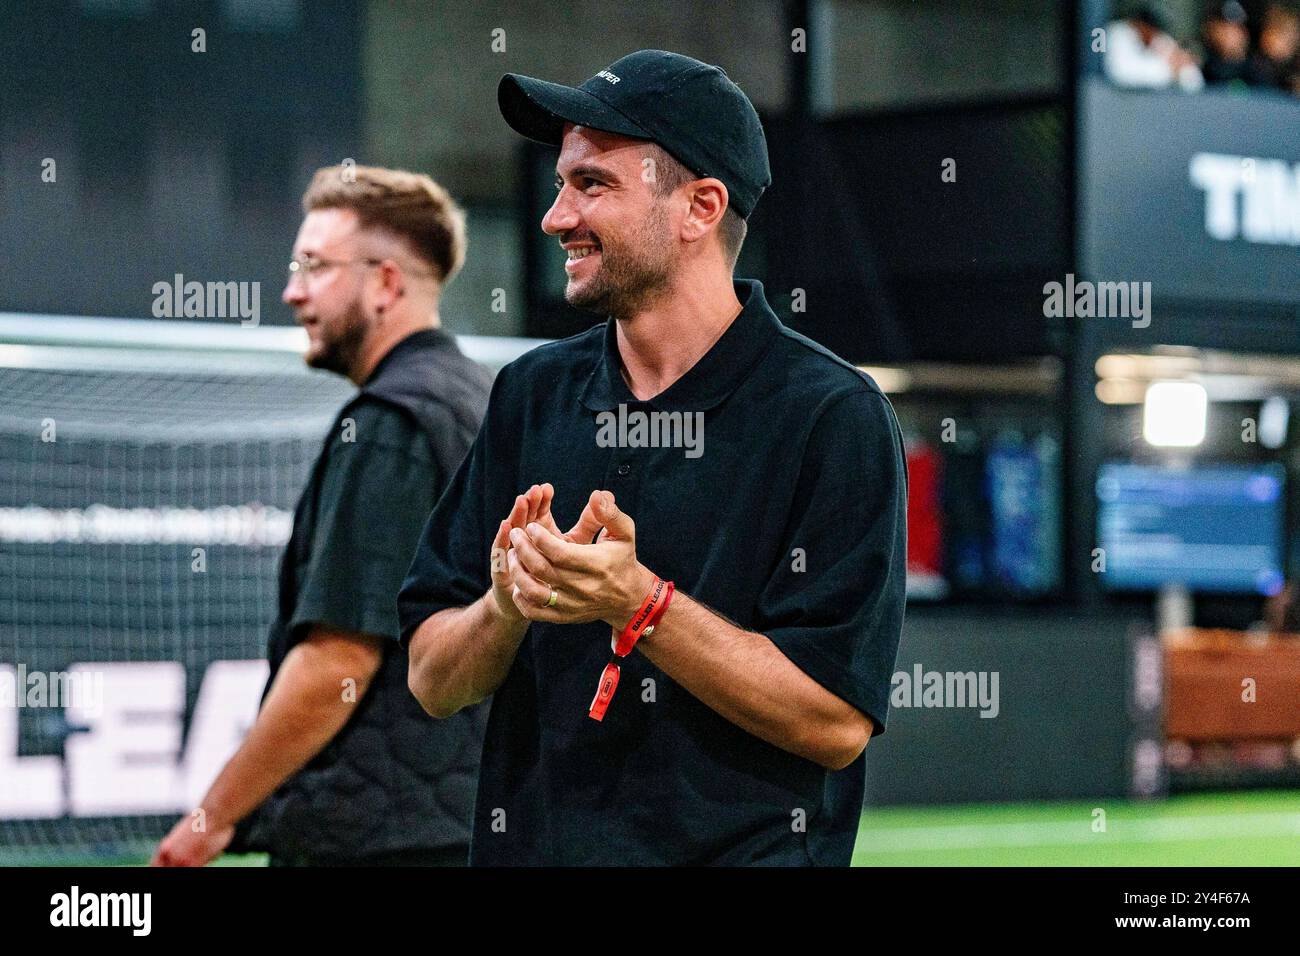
(148, 475)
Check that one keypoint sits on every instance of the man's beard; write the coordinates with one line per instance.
(340, 341)
(632, 273)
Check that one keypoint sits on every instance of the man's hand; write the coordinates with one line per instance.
(742, 675)
(304, 709)
(185, 846)
(460, 656)
(583, 532)
(596, 582)
(533, 507)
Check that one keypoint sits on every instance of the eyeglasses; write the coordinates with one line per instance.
(308, 266)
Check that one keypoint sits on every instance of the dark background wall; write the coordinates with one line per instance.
(167, 160)
(170, 160)
(1063, 729)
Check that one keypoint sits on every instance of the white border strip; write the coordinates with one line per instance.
(29, 340)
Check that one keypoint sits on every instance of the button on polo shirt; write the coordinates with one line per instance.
(788, 518)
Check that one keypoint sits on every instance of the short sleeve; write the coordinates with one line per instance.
(451, 566)
(374, 495)
(834, 606)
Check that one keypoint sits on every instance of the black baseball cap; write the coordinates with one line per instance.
(691, 109)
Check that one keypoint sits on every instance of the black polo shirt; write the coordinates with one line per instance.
(791, 523)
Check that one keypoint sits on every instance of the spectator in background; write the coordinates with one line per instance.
(342, 765)
(1227, 46)
(1276, 62)
(1140, 54)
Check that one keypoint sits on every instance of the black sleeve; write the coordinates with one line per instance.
(374, 494)
(836, 603)
(451, 567)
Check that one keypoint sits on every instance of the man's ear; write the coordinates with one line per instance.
(391, 285)
(708, 204)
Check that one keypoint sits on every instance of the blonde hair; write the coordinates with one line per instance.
(411, 206)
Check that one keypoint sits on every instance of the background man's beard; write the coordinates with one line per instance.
(339, 345)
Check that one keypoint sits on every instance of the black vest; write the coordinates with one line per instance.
(393, 780)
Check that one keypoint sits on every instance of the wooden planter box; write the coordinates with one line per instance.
(1204, 675)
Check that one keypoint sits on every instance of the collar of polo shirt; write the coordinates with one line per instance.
(710, 380)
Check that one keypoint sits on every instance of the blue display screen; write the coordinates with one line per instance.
(1208, 527)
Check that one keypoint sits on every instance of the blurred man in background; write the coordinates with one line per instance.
(342, 765)
(1140, 53)
(1276, 62)
(1227, 45)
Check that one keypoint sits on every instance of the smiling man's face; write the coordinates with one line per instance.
(620, 235)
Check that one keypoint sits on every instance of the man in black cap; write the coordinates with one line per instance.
(696, 685)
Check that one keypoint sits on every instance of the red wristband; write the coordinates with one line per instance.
(645, 619)
(604, 691)
(643, 622)
(657, 615)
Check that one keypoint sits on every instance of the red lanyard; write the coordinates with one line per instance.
(643, 622)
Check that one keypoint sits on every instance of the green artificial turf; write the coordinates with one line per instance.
(1220, 829)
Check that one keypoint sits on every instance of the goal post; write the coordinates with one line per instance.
(148, 475)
